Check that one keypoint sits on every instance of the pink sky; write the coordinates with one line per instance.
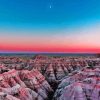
(84, 40)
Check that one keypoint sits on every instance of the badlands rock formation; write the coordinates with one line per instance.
(43, 77)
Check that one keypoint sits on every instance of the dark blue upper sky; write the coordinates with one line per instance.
(38, 12)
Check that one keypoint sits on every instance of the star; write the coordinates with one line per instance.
(50, 7)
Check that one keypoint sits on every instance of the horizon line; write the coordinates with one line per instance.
(51, 52)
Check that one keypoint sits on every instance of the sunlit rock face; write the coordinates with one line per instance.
(23, 85)
(82, 85)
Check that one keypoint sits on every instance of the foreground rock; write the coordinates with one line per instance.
(82, 85)
(23, 85)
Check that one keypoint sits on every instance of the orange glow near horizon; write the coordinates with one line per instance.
(21, 48)
(86, 40)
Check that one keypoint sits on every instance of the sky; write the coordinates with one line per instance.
(50, 26)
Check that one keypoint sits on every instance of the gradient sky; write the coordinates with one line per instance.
(50, 26)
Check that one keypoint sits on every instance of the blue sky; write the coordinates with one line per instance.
(48, 19)
(37, 13)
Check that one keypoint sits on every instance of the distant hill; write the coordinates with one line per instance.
(98, 55)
